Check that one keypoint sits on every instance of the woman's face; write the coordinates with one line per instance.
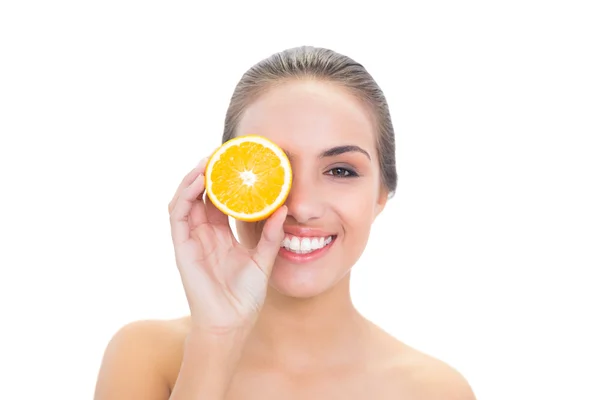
(336, 192)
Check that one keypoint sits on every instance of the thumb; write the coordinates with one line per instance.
(270, 241)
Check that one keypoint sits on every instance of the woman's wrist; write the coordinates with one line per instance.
(219, 341)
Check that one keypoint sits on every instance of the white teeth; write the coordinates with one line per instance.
(314, 243)
(295, 244)
(304, 245)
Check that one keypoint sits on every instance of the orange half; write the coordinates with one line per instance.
(248, 177)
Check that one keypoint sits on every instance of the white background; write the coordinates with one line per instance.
(486, 258)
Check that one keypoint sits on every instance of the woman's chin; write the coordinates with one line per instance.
(295, 290)
(302, 281)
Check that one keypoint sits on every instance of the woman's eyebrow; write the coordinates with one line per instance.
(335, 151)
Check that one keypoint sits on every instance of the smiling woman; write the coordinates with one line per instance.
(271, 314)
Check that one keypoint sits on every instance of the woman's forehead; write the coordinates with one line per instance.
(305, 114)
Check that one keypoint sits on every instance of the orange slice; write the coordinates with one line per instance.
(248, 177)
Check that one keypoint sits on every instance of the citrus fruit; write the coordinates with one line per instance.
(248, 177)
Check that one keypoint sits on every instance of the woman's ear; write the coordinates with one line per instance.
(381, 201)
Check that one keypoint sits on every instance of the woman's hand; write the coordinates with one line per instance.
(224, 282)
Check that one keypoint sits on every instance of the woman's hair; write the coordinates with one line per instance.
(308, 62)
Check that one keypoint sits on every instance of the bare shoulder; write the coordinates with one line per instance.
(411, 373)
(434, 379)
(142, 360)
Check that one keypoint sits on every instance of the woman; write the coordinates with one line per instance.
(268, 322)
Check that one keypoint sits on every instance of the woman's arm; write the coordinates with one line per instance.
(208, 365)
(143, 355)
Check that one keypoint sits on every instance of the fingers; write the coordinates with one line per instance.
(183, 203)
(214, 215)
(187, 181)
(270, 241)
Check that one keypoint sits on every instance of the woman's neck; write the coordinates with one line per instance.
(304, 333)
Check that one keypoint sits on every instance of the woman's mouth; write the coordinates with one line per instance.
(305, 245)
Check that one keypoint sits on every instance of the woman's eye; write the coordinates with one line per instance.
(340, 172)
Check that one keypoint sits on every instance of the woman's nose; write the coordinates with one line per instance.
(304, 202)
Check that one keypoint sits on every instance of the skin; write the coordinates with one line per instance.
(307, 340)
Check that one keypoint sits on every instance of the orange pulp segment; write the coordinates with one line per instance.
(248, 177)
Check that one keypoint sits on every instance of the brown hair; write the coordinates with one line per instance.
(319, 63)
